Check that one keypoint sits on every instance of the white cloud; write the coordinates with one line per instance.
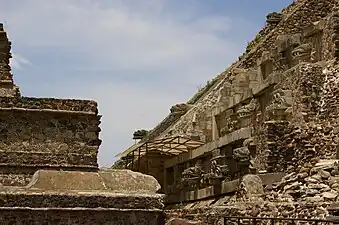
(132, 38)
(17, 61)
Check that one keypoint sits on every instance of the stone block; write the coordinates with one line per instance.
(205, 192)
(271, 178)
(271, 80)
(253, 185)
(242, 133)
(122, 181)
(66, 180)
(229, 186)
(127, 180)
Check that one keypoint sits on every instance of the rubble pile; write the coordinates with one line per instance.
(278, 159)
(312, 183)
(300, 145)
(330, 99)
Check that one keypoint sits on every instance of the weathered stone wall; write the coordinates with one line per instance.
(74, 199)
(152, 164)
(74, 105)
(7, 87)
(104, 197)
(311, 131)
(51, 139)
(279, 143)
(284, 90)
(38, 133)
(303, 14)
(214, 215)
(11, 216)
(311, 191)
(304, 86)
(299, 15)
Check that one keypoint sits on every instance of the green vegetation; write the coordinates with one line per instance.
(202, 91)
(258, 38)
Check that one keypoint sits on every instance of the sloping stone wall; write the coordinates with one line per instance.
(302, 14)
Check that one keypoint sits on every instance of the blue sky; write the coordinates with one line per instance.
(137, 58)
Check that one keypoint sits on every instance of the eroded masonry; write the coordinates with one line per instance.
(262, 138)
(48, 163)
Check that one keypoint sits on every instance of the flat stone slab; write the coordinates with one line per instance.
(121, 181)
(129, 181)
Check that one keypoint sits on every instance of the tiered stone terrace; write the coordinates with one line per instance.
(48, 164)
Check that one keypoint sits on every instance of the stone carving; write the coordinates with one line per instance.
(139, 134)
(242, 157)
(180, 108)
(215, 169)
(248, 109)
(278, 108)
(281, 62)
(241, 154)
(231, 125)
(217, 174)
(192, 176)
(250, 145)
(219, 169)
(273, 18)
(278, 100)
(302, 52)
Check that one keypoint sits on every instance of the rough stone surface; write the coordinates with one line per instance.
(212, 214)
(296, 19)
(121, 181)
(63, 196)
(79, 217)
(284, 89)
(47, 140)
(251, 187)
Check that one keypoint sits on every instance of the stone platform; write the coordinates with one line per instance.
(64, 197)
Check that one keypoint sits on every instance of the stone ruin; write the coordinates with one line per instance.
(269, 126)
(48, 163)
